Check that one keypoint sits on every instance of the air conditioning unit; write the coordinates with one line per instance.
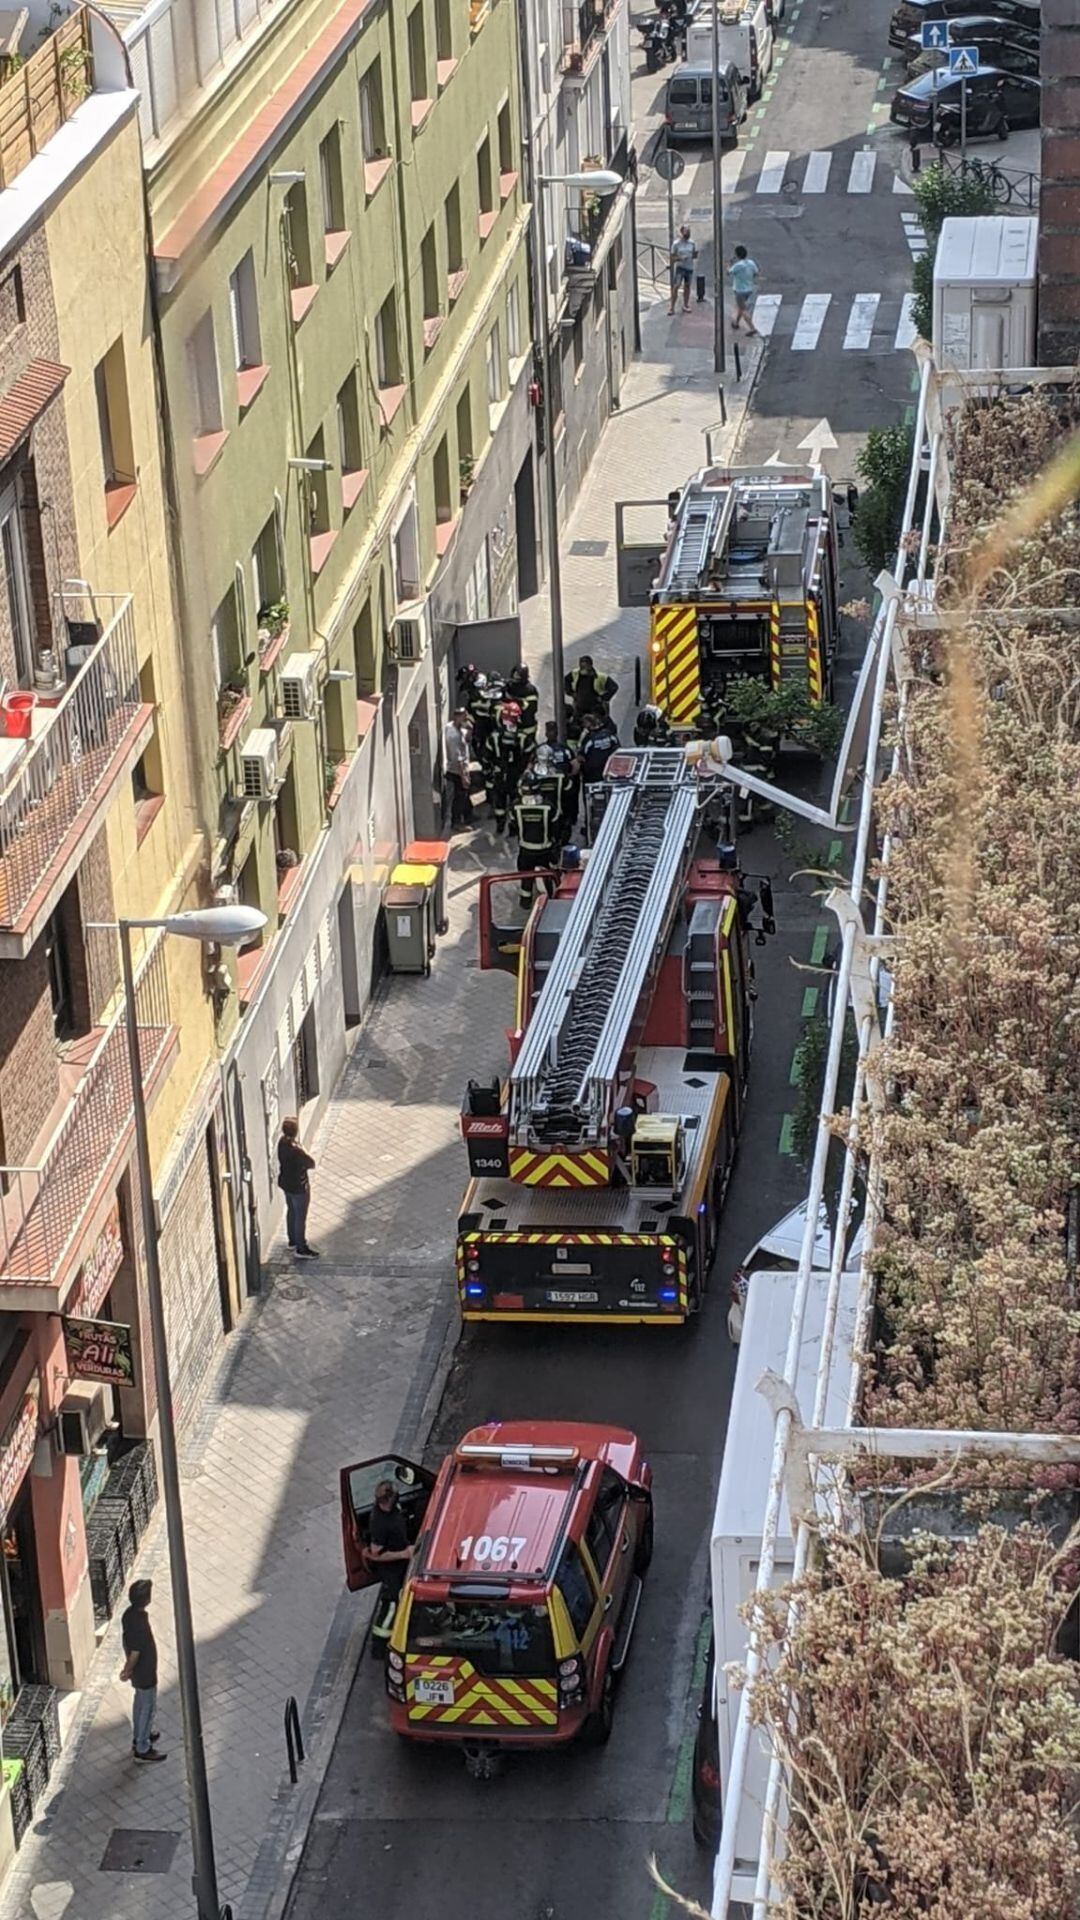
(299, 689)
(409, 634)
(85, 1412)
(259, 764)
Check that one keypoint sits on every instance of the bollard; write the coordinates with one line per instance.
(700, 288)
(737, 358)
(637, 680)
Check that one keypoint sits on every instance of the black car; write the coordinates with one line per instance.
(999, 43)
(707, 1786)
(996, 101)
(910, 14)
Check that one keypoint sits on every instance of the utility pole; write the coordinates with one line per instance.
(718, 200)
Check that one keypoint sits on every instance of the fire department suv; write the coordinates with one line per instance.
(520, 1600)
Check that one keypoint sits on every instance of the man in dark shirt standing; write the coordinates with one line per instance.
(293, 1168)
(390, 1552)
(140, 1667)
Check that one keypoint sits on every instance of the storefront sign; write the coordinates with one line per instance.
(100, 1267)
(17, 1446)
(100, 1350)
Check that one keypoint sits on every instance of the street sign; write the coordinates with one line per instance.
(934, 35)
(669, 164)
(963, 62)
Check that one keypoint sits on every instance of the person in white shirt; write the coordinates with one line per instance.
(457, 750)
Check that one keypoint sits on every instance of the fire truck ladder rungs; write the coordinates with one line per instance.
(703, 525)
(622, 911)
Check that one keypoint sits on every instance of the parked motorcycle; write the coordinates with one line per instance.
(661, 45)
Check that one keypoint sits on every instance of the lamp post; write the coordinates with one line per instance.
(718, 202)
(226, 926)
(602, 183)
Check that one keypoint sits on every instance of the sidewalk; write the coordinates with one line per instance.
(342, 1358)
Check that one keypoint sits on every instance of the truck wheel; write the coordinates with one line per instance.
(597, 1729)
(645, 1544)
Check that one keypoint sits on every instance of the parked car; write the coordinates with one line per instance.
(997, 49)
(982, 30)
(910, 14)
(688, 103)
(779, 1251)
(996, 101)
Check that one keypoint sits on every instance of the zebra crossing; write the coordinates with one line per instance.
(780, 172)
(872, 322)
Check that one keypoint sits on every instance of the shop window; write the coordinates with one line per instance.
(114, 430)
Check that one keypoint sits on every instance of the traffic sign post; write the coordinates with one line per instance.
(934, 35)
(669, 165)
(963, 62)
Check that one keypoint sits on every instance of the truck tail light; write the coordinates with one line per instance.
(571, 1681)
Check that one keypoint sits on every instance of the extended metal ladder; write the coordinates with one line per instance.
(703, 524)
(619, 923)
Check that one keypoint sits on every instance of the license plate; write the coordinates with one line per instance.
(434, 1693)
(561, 1298)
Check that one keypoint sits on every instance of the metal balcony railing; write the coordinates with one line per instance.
(177, 46)
(587, 220)
(62, 770)
(42, 1207)
(44, 92)
(581, 25)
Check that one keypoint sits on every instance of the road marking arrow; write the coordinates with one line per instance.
(773, 460)
(818, 440)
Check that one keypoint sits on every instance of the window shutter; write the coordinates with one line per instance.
(279, 538)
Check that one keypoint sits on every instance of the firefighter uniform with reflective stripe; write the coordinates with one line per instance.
(507, 765)
(537, 825)
(484, 704)
(520, 688)
(587, 691)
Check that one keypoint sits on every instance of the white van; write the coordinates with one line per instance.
(746, 38)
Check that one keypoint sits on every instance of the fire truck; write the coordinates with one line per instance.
(746, 583)
(601, 1165)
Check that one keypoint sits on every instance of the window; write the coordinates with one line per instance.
(445, 501)
(455, 259)
(444, 33)
(12, 305)
(297, 240)
(579, 343)
(372, 124)
(513, 321)
(605, 1523)
(350, 444)
(407, 558)
(494, 366)
(225, 648)
(464, 425)
(484, 190)
(18, 597)
(148, 774)
(429, 274)
(114, 426)
(317, 490)
(506, 140)
(58, 961)
(387, 352)
(203, 370)
(363, 634)
(244, 312)
(419, 87)
(576, 1588)
(268, 574)
(333, 193)
(495, 1639)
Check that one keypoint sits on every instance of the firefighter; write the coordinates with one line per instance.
(537, 824)
(563, 764)
(520, 687)
(484, 698)
(651, 728)
(507, 762)
(599, 741)
(587, 691)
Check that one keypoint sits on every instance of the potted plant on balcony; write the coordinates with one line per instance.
(466, 476)
(230, 696)
(273, 618)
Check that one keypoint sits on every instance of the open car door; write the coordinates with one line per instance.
(502, 921)
(358, 1484)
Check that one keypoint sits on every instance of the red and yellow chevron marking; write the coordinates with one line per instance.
(676, 663)
(813, 653)
(559, 1169)
(566, 1239)
(774, 645)
(478, 1701)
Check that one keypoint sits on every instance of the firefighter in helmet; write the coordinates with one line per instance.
(651, 728)
(520, 687)
(587, 691)
(482, 700)
(562, 762)
(507, 762)
(537, 824)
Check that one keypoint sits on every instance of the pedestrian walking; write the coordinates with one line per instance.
(457, 755)
(743, 274)
(140, 1667)
(294, 1167)
(683, 258)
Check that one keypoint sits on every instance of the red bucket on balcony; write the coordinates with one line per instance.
(17, 709)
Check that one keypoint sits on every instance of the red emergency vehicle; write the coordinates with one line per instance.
(519, 1603)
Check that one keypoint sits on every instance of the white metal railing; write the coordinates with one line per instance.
(176, 47)
(938, 393)
(57, 775)
(42, 1206)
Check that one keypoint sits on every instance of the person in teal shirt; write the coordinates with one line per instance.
(743, 274)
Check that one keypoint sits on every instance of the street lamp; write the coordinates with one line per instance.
(602, 183)
(226, 926)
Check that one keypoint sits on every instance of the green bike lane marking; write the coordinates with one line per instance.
(787, 1129)
(809, 1003)
(821, 941)
(681, 1789)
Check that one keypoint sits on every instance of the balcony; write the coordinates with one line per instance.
(49, 1212)
(582, 37)
(44, 93)
(586, 223)
(56, 782)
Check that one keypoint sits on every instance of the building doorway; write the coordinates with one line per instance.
(22, 1596)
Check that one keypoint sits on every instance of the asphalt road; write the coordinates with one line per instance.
(401, 1832)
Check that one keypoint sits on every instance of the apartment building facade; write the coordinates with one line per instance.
(341, 288)
(97, 819)
(578, 108)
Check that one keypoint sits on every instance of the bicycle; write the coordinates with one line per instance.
(990, 175)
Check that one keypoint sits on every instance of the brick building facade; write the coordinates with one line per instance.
(1059, 201)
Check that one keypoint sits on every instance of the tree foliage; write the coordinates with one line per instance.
(787, 712)
(940, 193)
(883, 464)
